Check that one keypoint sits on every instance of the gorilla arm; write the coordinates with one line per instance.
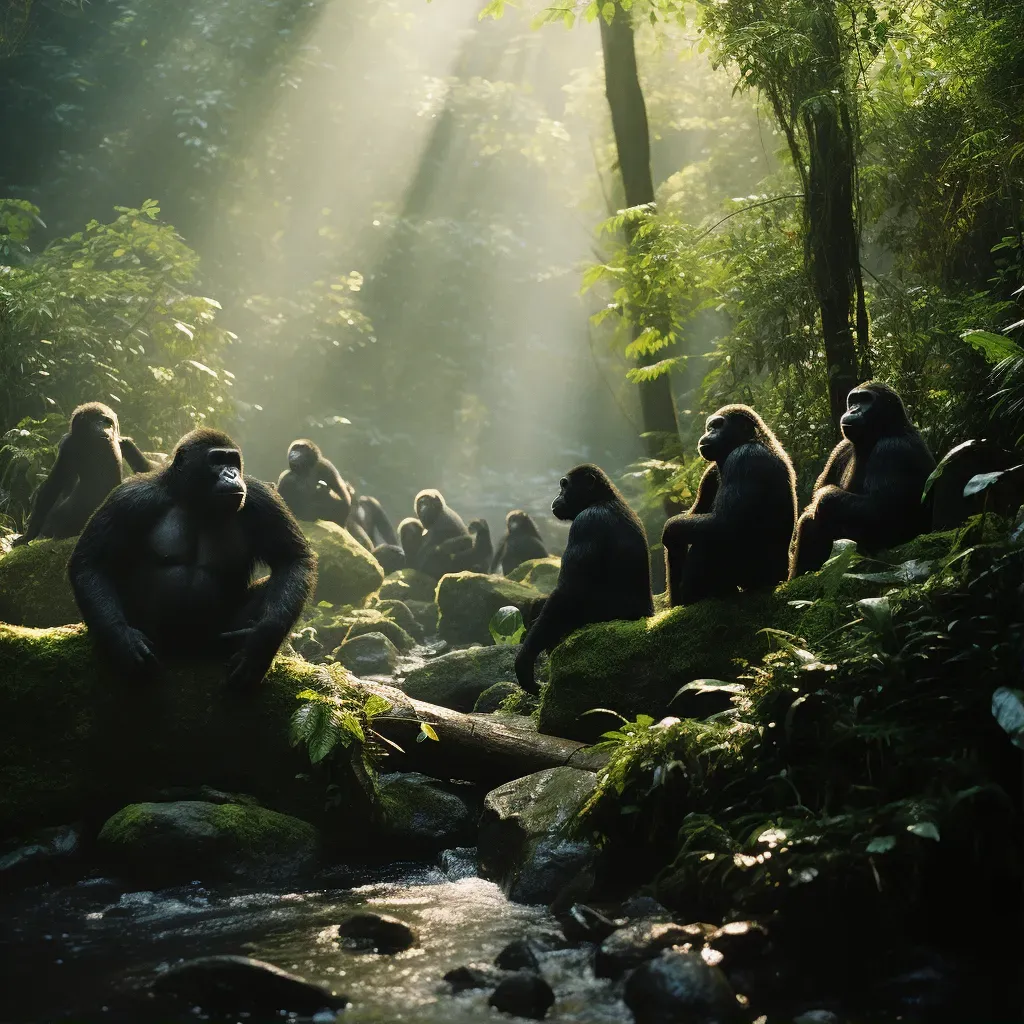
(60, 480)
(132, 454)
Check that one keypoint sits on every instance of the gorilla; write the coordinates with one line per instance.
(313, 488)
(870, 489)
(441, 526)
(522, 541)
(164, 567)
(88, 467)
(738, 531)
(370, 515)
(605, 573)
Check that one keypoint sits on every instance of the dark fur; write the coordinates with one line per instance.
(374, 520)
(738, 531)
(870, 489)
(164, 566)
(605, 573)
(445, 535)
(522, 541)
(88, 467)
(313, 488)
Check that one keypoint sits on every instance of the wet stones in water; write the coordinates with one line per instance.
(680, 987)
(523, 995)
(472, 976)
(379, 932)
(47, 853)
(518, 955)
(238, 984)
(581, 923)
(631, 946)
(421, 814)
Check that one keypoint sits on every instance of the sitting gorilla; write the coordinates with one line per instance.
(444, 535)
(870, 489)
(522, 541)
(370, 515)
(738, 531)
(164, 566)
(313, 488)
(606, 570)
(88, 467)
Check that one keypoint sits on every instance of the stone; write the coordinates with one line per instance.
(455, 680)
(521, 844)
(425, 613)
(581, 923)
(523, 995)
(335, 627)
(167, 843)
(34, 586)
(239, 984)
(400, 613)
(472, 976)
(425, 815)
(741, 943)
(495, 695)
(409, 585)
(45, 854)
(467, 601)
(371, 654)
(636, 943)
(380, 932)
(541, 573)
(680, 987)
(518, 955)
(346, 572)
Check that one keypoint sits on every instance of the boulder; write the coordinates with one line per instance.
(47, 853)
(400, 612)
(523, 995)
(457, 679)
(518, 955)
(34, 587)
(541, 573)
(370, 654)
(680, 987)
(631, 946)
(76, 741)
(346, 572)
(334, 628)
(425, 815)
(425, 613)
(409, 585)
(494, 696)
(467, 601)
(522, 842)
(158, 844)
(379, 932)
(472, 976)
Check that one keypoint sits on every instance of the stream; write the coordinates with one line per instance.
(74, 953)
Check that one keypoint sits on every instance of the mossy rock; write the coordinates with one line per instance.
(34, 587)
(166, 843)
(467, 601)
(457, 679)
(425, 815)
(346, 572)
(76, 742)
(541, 573)
(425, 613)
(369, 654)
(408, 585)
(401, 613)
(353, 622)
(494, 697)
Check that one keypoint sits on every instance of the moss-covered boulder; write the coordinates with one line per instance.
(425, 613)
(76, 742)
(424, 815)
(400, 612)
(34, 587)
(541, 573)
(346, 572)
(352, 622)
(455, 680)
(408, 585)
(467, 601)
(166, 843)
(369, 654)
(494, 697)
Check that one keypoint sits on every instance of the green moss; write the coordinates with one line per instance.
(390, 629)
(401, 613)
(541, 573)
(467, 602)
(347, 574)
(353, 622)
(457, 679)
(34, 587)
(408, 585)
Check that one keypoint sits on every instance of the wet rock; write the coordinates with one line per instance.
(307, 645)
(631, 946)
(164, 843)
(401, 613)
(680, 987)
(382, 933)
(205, 793)
(34, 587)
(346, 572)
(581, 923)
(425, 613)
(521, 843)
(646, 908)
(494, 696)
(238, 984)
(457, 679)
(523, 995)
(741, 943)
(541, 573)
(467, 601)
(334, 628)
(518, 955)
(46, 853)
(371, 654)
(408, 585)
(422, 814)
(472, 976)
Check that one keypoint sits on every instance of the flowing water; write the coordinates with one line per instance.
(66, 952)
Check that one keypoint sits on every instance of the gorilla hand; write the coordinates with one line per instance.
(247, 667)
(133, 654)
(524, 666)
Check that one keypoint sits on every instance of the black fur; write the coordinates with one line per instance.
(445, 536)
(374, 520)
(605, 573)
(88, 467)
(738, 531)
(313, 488)
(164, 566)
(522, 541)
(870, 489)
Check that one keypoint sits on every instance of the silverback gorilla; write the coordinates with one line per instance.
(870, 489)
(738, 531)
(606, 569)
(164, 566)
(88, 467)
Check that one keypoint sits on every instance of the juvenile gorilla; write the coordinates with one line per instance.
(312, 487)
(164, 566)
(444, 535)
(88, 467)
(374, 520)
(522, 541)
(738, 531)
(870, 489)
(605, 573)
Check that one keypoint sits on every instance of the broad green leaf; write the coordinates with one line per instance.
(994, 347)
(983, 481)
(881, 844)
(377, 705)
(925, 829)
(426, 733)
(876, 612)
(709, 686)
(507, 626)
(1008, 711)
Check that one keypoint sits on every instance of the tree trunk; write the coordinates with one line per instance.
(633, 145)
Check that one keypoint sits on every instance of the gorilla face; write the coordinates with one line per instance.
(302, 456)
(860, 414)
(722, 434)
(578, 490)
(428, 507)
